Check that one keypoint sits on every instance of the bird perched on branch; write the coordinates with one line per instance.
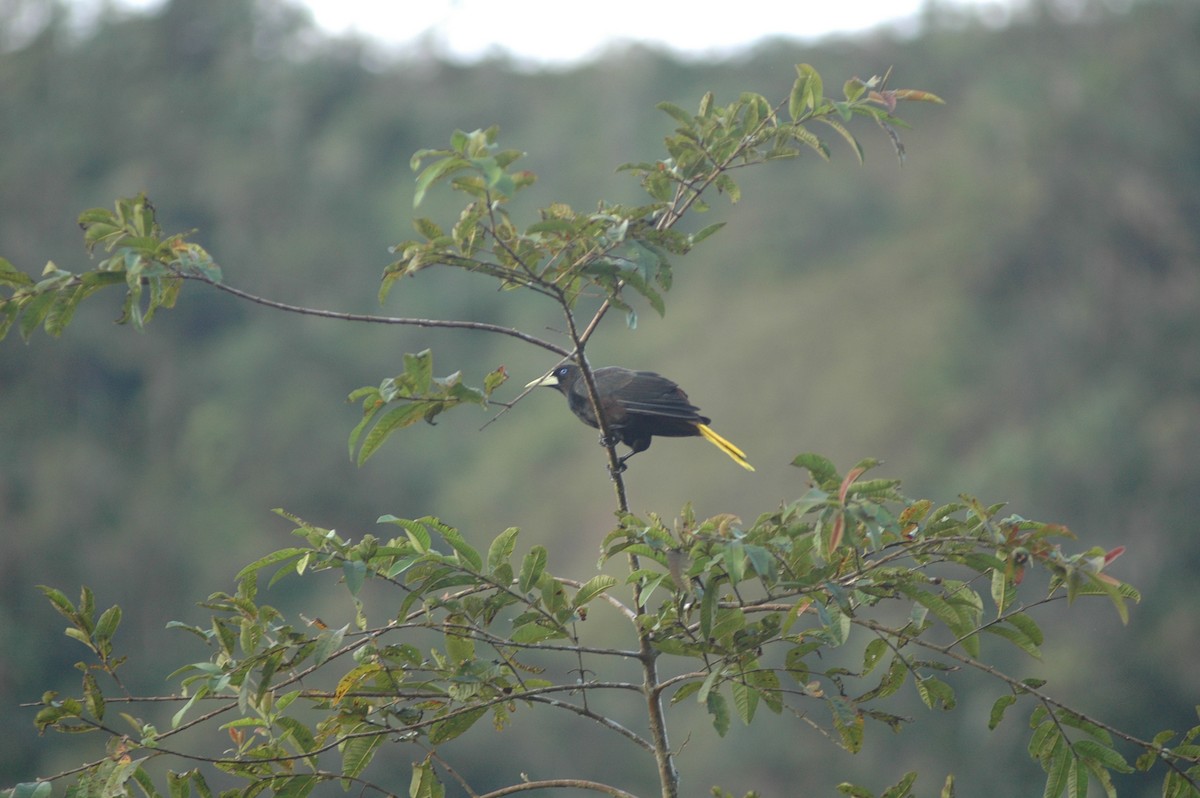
(637, 405)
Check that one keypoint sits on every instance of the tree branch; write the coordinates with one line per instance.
(546, 784)
(365, 317)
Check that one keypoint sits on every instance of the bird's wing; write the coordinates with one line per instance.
(665, 407)
(649, 394)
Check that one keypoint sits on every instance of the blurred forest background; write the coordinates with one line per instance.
(1014, 313)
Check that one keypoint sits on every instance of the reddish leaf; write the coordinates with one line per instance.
(852, 475)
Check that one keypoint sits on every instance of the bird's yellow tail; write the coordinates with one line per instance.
(734, 452)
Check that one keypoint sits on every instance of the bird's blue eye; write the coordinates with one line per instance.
(561, 371)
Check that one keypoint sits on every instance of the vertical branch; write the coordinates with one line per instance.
(614, 462)
(668, 776)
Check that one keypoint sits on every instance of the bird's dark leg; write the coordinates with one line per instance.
(621, 461)
(608, 441)
(635, 445)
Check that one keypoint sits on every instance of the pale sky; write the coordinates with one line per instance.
(559, 31)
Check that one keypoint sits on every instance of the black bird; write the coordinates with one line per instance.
(637, 405)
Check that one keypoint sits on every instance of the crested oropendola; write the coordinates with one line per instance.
(637, 405)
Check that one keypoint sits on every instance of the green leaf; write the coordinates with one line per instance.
(417, 532)
(178, 717)
(1103, 754)
(459, 647)
(424, 782)
(745, 700)
(708, 610)
(999, 708)
(1058, 769)
(593, 588)
(33, 789)
(1002, 592)
(902, 788)
(686, 690)
(354, 571)
(700, 235)
(803, 135)
(847, 136)
(531, 568)
(727, 186)
(92, 696)
(300, 736)
(677, 113)
(328, 643)
(494, 379)
(144, 782)
(1028, 627)
(1077, 779)
(823, 472)
(728, 620)
(466, 552)
(435, 172)
(60, 601)
(854, 88)
(935, 693)
(13, 277)
(873, 653)
(535, 632)
(1017, 638)
(718, 709)
(34, 312)
(358, 752)
(762, 561)
(293, 786)
(61, 311)
(447, 729)
(428, 228)
(796, 98)
(807, 91)
(270, 559)
(960, 616)
(501, 550)
(179, 785)
(848, 721)
(1043, 739)
(399, 417)
(891, 681)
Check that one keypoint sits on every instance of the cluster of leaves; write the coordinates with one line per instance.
(150, 267)
(386, 687)
(568, 254)
(415, 395)
(843, 548)
(742, 617)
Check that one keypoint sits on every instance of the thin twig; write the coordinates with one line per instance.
(547, 784)
(366, 317)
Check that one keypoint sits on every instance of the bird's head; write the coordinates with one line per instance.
(562, 378)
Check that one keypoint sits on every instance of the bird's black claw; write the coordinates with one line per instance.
(620, 469)
(609, 440)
